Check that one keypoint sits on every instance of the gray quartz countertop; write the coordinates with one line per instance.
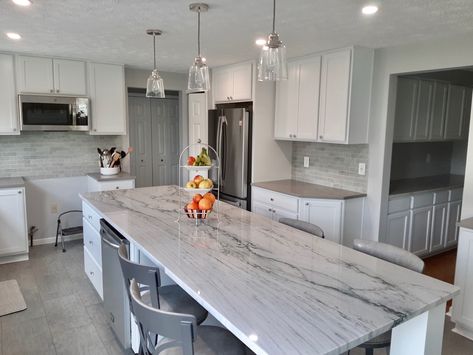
(117, 177)
(278, 289)
(424, 184)
(466, 223)
(11, 182)
(307, 190)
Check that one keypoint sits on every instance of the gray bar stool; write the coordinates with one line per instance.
(179, 333)
(170, 298)
(396, 256)
(303, 226)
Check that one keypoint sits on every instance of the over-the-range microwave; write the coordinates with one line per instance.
(53, 113)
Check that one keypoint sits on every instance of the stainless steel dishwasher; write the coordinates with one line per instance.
(115, 299)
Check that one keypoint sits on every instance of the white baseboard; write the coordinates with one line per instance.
(52, 240)
(13, 258)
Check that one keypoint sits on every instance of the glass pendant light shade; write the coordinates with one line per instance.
(155, 85)
(199, 79)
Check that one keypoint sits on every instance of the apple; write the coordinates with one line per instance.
(190, 160)
(198, 179)
(210, 196)
(191, 185)
(197, 198)
(192, 206)
(205, 204)
(206, 184)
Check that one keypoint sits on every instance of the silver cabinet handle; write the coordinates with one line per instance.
(51, 90)
(57, 90)
(89, 216)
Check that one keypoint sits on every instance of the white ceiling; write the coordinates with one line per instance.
(114, 30)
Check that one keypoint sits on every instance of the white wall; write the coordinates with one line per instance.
(429, 55)
(43, 194)
(272, 160)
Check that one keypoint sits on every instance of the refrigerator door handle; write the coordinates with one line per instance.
(223, 157)
(244, 152)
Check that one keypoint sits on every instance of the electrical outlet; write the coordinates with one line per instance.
(306, 162)
(361, 169)
(54, 208)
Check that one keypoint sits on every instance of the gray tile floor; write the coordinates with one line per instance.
(66, 316)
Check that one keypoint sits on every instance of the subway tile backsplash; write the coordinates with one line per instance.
(334, 165)
(51, 154)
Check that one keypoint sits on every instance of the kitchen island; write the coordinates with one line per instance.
(279, 290)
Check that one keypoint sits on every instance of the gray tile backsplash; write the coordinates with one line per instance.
(51, 154)
(334, 165)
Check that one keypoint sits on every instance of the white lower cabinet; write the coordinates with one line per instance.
(439, 227)
(419, 236)
(454, 211)
(327, 214)
(93, 272)
(273, 204)
(397, 229)
(13, 231)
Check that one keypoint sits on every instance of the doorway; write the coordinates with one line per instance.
(154, 135)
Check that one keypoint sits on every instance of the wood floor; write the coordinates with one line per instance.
(442, 266)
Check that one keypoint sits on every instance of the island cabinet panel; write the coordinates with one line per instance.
(8, 102)
(462, 310)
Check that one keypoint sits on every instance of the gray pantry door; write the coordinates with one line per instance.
(154, 134)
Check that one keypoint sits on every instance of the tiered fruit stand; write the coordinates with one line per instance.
(187, 194)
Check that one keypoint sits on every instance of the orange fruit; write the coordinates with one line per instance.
(197, 198)
(210, 196)
(192, 206)
(205, 204)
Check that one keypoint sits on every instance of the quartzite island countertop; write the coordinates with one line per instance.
(307, 190)
(280, 290)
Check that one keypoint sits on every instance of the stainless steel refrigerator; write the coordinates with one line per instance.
(230, 134)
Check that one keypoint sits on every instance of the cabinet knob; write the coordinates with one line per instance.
(321, 137)
(91, 273)
(117, 187)
(269, 209)
(57, 90)
(307, 203)
(271, 199)
(91, 242)
(51, 90)
(89, 216)
(294, 136)
(14, 129)
(95, 130)
(19, 191)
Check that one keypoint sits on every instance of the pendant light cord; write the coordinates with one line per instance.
(198, 33)
(154, 49)
(274, 16)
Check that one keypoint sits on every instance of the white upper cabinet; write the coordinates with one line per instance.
(8, 107)
(439, 108)
(455, 111)
(233, 83)
(423, 114)
(297, 103)
(406, 109)
(35, 75)
(108, 99)
(47, 76)
(198, 120)
(70, 77)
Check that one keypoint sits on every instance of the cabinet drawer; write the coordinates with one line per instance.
(456, 194)
(440, 197)
(117, 185)
(398, 204)
(93, 272)
(91, 216)
(422, 200)
(276, 199)
(92, 242)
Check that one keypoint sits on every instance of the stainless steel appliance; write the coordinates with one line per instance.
(230, 134)
(115, 299)
(53, 113)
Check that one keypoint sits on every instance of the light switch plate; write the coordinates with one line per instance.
(361, 169)
(306, 162)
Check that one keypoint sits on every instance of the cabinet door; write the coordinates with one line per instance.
(397, 230)
(466, 114)
(35, 75)
(69, 77)
(308, 112)
(334, 97)
(279, 213)
(198, 121)
(406, 106)
(439, 108)
(8, 112)
(439, 227)
(287, 104)
(419, 236)
(455, 112)
(423, 114)
(222, 84)
(242, 82)
(13, 234)
(108, 99)
(325, 214)
(262, 209)
(454, 211)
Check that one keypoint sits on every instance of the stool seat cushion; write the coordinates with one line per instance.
(172, 298)
(72, 230)
(213, 340)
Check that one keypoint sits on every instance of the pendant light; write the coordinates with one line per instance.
(199, 71)
(272, 64)
(154, 85)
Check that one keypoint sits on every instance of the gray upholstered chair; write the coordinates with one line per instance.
(179, 333)
(303, 226)
(170, 298)
(396, 256)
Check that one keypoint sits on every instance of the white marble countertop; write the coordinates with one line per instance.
(280, 290)
(120, 176)
(11, 182)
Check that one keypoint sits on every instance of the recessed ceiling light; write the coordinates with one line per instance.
(369, 9)
(13, 35)
(260, 42)
(22, 2)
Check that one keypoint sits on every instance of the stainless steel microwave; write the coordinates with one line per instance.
(53, 113)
